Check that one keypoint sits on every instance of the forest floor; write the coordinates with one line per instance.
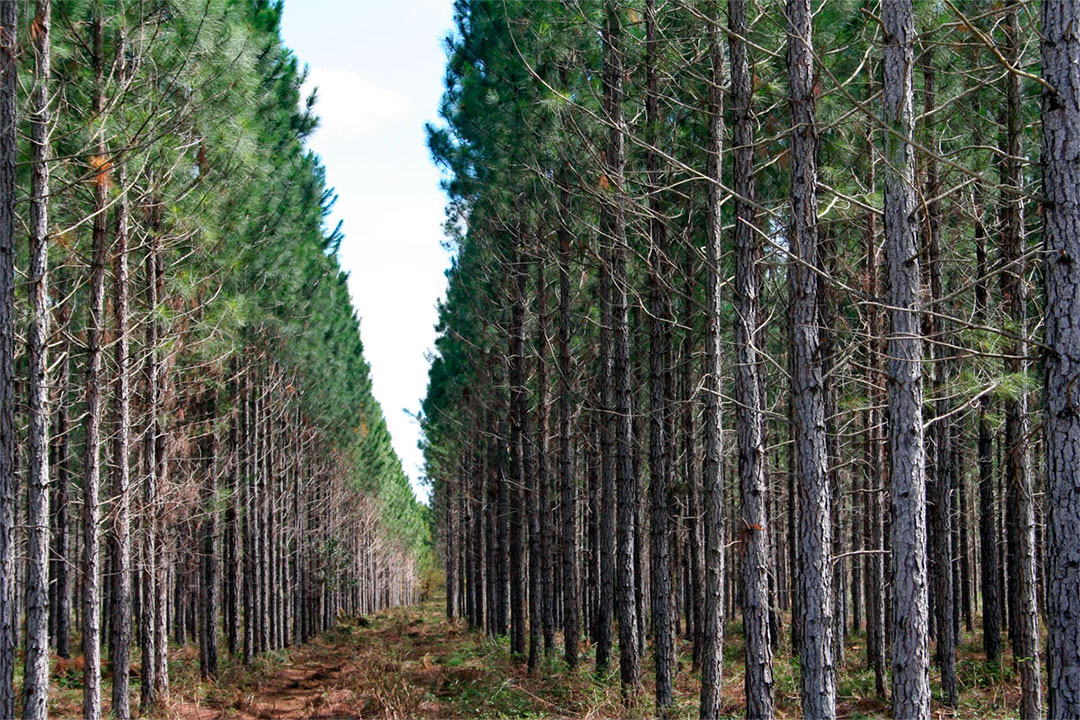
(413, 663)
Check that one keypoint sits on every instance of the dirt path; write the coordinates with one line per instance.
(402, 664)
(413, 663)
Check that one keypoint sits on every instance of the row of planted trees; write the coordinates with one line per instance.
(189, 445)
(747, 323)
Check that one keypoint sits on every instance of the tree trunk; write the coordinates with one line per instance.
(712, 663)
(818, 674)
(659, 361)
(567, 485)
(36, 675)
(160, 468)
(91, 617)
(749, 416)
(1061, 230)
(208, 581)
(874, 453)
(938, 460)
(607, 423)
(8, 155)
(622, 381)
(148, 622)
(1017, 454)
(911, 681)
(543, 483)
(120, 538)
(519, 422)
(989, 560)
(61, 576)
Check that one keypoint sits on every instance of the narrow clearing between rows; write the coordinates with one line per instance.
(413, 663)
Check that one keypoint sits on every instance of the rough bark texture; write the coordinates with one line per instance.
(938, 462)
(1017, 428)
(567, 486)
(543, 476)
(208, 541)
(874, 453)
(659, 362)
(36, 675)
(61, 575)
(91, 597)
(910, 661)
(988, 553)
(712, 661)
(8, 146)
(749, 416)
(148, 625)
(625, 485)
(1061, 218)
(606, 606)
(518, 433)
(120, 537)
(818, 674)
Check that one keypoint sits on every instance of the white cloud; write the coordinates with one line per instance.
(350, 104)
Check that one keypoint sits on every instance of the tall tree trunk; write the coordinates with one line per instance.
(208, 581)
(91, 617)
(659, 361)
(36, 675)
(120, 538)
(607, 423)
(712, 663)
(1061, 229)
(1017, 454)
(911, 681)
(149, 574)
(519, 422)
(818, 673)
(691, 475)
(453, 609)
(874, 453)
(8, 154)
(543, 483)
(988, 523)
(625, 485)
(749, 416)
(567, 485)
(61, 576)
(160, 564)
(938, 460)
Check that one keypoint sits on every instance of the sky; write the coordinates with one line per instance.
(378, 65)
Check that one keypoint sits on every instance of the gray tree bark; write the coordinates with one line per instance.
(939, 478)
(1017, 453)
(567, 486)
(61, 575)
(712, 660)
(8, 152)
(91, 597)
(606, 605)
(818, 673)
(120, 622)
(625, 485)
(989, 558)
(749, 415)
(907, 479)
(36, 674)
(1061, 231)
(519, 423)
(659, 392)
